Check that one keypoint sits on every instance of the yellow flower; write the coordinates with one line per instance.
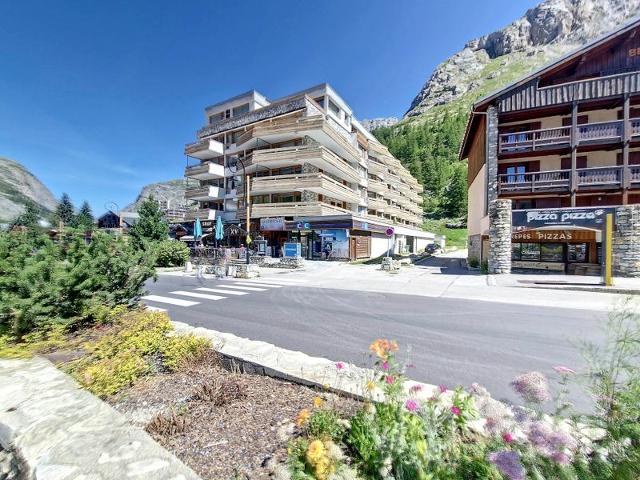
(326, 386)
(324, 468)
(381, 347)
(302, 417)
(317, 402)
(371, 385)
(316, 452)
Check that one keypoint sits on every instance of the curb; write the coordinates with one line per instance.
(576, 288)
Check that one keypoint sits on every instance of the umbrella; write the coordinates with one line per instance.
(197, 229)
(219, 229)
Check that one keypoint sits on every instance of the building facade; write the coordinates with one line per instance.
(551, 155)
(316, 176)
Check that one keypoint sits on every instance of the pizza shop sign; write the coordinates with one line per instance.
(582, 217)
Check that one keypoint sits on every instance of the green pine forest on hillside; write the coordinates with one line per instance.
(428, 145)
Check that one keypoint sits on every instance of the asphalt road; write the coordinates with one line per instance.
(450, 341)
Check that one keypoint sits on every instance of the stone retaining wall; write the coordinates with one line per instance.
(626, 242)
(61, 432)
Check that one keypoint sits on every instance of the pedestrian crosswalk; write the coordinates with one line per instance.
(220, 290)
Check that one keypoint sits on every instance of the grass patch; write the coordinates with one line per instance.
(456, 237)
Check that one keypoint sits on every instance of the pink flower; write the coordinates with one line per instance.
(340, 365)
(410, 365)
(507, 437)
(456, 411)
(442, 388)
(415, 389)
(411, 405)
(564, 370)
(389, 379)
(385, 366)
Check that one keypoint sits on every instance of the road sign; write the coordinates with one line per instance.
(389, 231)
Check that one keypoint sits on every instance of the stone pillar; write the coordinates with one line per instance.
(500, 236)
(308, 196)
(626, 241)
(474, 246)
(492, 155)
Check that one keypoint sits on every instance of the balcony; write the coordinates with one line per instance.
(560, 180)
(377, 204)
(293, 209)
(204, 171)
(204, 149)
(315, 127)
(202, 214)
(313, 182)
(316, 155)
(553, 138)
(377, 168)
(204, 193)
(378, 187)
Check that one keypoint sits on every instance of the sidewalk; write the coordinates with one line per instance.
(551, 281)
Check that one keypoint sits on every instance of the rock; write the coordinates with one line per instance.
(285, 431)
(374, 123)
(171, 191)
(551, 29)
(17, 185)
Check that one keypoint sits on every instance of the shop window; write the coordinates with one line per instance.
(530, 252)
(577, 253)
(516, 253)
(551, 252)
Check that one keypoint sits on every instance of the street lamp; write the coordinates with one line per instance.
(232, 163)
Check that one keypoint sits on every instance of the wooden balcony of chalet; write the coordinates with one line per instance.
(561, 181)
(556, 138)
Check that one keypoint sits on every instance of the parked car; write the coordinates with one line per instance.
(433, 248)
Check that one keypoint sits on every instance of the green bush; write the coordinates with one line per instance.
(484, 267)
(171, 253)
(45, 283)
(139, 340)
(473, 262)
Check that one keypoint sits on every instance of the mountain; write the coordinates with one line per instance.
(428, 138)
(17, 186)
(171, 191)
(373, 123)
(545, 32)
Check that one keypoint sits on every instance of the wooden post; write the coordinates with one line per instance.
(574, 152)
(626, 138)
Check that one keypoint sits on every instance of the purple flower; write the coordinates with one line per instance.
(507, 437)
(389, 379)
(532, 387)
(557, 445)
(415, 389)
(385, 365)
(561, 458)
(411, 405)
(508, 462)
(340, 365)
(442, 388)
(456, 411)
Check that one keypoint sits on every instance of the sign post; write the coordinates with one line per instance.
(389, 232)
(608, 255)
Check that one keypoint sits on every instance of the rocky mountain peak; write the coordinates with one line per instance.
(551, 29)
(17, 186)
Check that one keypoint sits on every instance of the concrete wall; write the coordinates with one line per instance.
(379, 244)
(478, 221)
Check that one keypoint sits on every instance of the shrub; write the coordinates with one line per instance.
(131, 349)
(473, 262)
(484, 267)
(45, 283)
(171, 253)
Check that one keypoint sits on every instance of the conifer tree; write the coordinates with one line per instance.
(151, 226)
(65, 210)
(84, 218)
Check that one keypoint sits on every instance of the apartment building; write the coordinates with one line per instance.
(552, 154)
(316, 176)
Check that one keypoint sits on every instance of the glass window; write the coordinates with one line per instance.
(240, 110)
(515, 174)
(320, 101)
(551, 252)
(334, 108)
(531, 252)
(516, 253)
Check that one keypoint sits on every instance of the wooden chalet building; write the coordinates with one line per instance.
(565, 137)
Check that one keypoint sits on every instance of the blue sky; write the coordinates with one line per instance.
(98, 98)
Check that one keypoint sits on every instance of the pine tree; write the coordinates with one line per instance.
(84, 218)
(29, 218)
(454, 203)
(65, 210)
(151, 225)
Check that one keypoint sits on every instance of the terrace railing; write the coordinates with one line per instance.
(560, 180)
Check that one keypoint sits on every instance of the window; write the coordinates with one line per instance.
(333, 108)
(551, 252)
(240, 110)
(530, 252)
(516, 174)
(320, 101)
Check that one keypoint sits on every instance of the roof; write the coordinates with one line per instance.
(482, 103)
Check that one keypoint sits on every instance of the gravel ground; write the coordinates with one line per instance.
(224, 425)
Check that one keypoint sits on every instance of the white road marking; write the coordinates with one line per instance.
(197, 295)
(259, 284)
(155, 309)
(287, 281)
(251, 289)
(172, 301)
(217, 290)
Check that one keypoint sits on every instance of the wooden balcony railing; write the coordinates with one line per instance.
(560, 180)
(546, 138)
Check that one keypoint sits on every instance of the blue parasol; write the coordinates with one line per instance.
(219, 229)
(197, 229)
